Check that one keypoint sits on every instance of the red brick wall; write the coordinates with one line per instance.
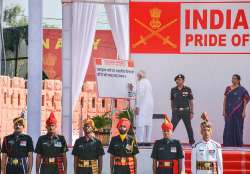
(13, 97)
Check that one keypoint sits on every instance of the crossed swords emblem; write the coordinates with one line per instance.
(165, 39)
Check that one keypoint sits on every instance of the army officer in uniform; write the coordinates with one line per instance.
(182, 106)
(51, 150)
(167, 153)
(123, 149)
(88, 151)
(17, 150)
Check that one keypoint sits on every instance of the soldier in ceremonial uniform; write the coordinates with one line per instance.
(123, 149)
(206, 154)
(17, 150)
(88, 151)
(182, 106)
(51, 150)
(167, 153)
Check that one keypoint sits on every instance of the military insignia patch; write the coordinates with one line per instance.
(58, 144)
(173, 149)
(23, 143)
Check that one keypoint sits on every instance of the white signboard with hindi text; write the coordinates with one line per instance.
(113, 77)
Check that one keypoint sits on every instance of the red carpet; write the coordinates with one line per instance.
(235, 161)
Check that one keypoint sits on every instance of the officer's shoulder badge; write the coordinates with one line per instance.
(216, 144)
(11, 141)
(195, 144)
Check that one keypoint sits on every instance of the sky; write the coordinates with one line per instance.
(52, 12)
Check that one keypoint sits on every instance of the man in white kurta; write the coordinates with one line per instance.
(144, 109)
(206, 154)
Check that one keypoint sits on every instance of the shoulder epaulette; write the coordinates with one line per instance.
(195, 144)
(216, 143)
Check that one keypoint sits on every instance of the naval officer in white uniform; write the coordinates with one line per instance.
(206, 154)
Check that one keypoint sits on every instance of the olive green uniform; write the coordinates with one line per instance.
(88, 152)
(51, 149)
(165, 151)
(123, 152)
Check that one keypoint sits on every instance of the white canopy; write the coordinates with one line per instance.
(79, 23)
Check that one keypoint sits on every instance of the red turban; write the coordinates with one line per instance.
(123, 122)
(51, 120)
(166, 125)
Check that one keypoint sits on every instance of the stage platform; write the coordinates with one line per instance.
(236, 161)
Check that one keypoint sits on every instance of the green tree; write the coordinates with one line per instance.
(14, 16)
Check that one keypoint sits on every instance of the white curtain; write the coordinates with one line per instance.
(83, 33)
(118, 16)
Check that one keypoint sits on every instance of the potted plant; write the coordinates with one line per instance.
(103, 125)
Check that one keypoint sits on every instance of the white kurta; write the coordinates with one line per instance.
(145, 103)
(207, 151)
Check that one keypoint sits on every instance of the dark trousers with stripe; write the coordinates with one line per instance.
(185, 116)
